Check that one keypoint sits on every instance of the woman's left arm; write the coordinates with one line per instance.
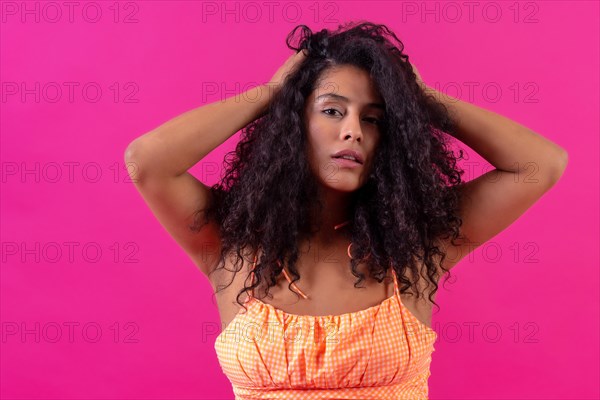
(526, 165)
(504, 143)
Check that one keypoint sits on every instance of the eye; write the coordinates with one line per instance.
(375, 121)
(330, 109)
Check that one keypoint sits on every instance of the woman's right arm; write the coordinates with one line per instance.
(159, 160)
(174, 147)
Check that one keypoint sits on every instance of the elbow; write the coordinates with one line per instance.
(560, 162)
(131, 151)
(132, 158)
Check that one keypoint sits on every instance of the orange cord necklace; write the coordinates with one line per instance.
(290, 280)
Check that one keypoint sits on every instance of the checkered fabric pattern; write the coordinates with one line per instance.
(382, 352)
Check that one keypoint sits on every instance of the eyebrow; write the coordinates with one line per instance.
(345, 99)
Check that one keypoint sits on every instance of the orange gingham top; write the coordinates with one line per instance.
(382, 352)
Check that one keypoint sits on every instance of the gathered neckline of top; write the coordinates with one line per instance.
(329, 316)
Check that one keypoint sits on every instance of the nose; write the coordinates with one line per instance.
(352, 130)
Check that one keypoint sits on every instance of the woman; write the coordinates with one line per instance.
(343, 171)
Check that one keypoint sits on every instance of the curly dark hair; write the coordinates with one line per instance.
(409, 201)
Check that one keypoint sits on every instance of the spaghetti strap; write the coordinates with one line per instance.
(396, 290)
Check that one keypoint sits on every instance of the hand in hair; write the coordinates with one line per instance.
(286, 69)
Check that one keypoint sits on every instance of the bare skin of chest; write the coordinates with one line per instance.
(329, 286)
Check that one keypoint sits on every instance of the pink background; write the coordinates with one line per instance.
(98, 302)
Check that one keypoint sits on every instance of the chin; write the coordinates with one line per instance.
(342, 186)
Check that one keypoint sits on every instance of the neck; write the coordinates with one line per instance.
(336, 212)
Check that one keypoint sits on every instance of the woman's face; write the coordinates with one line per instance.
(343, 113)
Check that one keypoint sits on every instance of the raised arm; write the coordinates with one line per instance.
(161, 158)
(526, 165)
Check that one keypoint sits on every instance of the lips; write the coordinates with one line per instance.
(342, 162)
(350, 155)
